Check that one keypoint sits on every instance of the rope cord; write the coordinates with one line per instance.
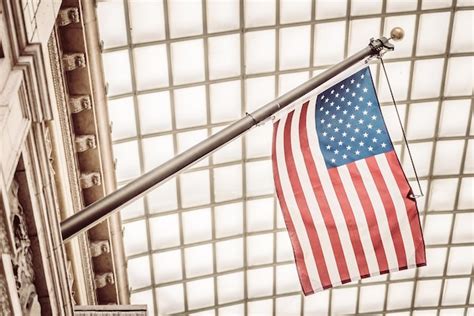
(403, 130)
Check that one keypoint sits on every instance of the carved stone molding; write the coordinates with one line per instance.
(102, 280)
(4, 298)
(79, 103)
(99, 247)
(73, 61)
(68, 15)
(88, 180)
(85, 142)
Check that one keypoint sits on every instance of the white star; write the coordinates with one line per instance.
(342, 99)
(322, 97)
(352, 81)
(369, 103)
(322, 121)
(370, 148)
(348, 147)
(333, 116)
(332, 91)
(321, 109)
(348, 125)
(349, 103)
(379, 131)
(328, 147)
(352, 116)
(344, 134)
(358, 85)
(374, 117)
(361, 121)
(383, 145)
(353, 139)
(347, 90)
(365, 89)
(369, 126)
(342, 86)
(365, 135)
(344, 112)
(356, 130)
(332, 138)
(337, 95)
(328, 125)
(374, 140)
(338, 108)
(325, 134)
(327, 112)
(344, 156)
(336, 129)
(340, 143)
(356, 108)
(357, 152)
(362, 76)
(365, 112)
(340, 121)
(361, 99)
(336, 152)
(333, 160)
(361, 144)
(326, 101)
(353, 94)
(331, 104)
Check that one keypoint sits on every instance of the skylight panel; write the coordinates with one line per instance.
(143, 297)
(287, 279)
(127, 162)
(344, 301)
(460, 78)
(225, 101)
(187, 60)
(164, 231)
(222, 15)
(360, 33)
(259, 13)
(190, 107)
(122, 117)
(399, 77)
(157, 150)
(401, 5)
(435, 4)
(291, 80)
(261, 307)
(443, 194)
(151, 67)
(326, 9)
(197, 225)
(448, 150)
(403, 274)
(229, 254)
(117, 72)
(134, 237)
(259, 178)
(423, 88)
(229, 219)
(437, 259)
(163, 198)
(167, 266)
(454, 117)
(460, 260)
(194, 188)
(295, 11)
(294, 47)
(259, 51)
(437, 228)
(363, 7)
(260, 214)
(284, 249)
(155, 112)
(469, 161)
(407, 22)
(397, 295)
(288, 305)
(188, 139)
(324, 33)
(132, 210)
(232, 310)
(419, 152)
(260, 283)
(317, 304)
(421, 121)
(147, 21)
(371, 298)
(463, 32)
(111, 20)
(433, 33)
(466, 199)
(224, 56)
(391, 120)
(198, 260)
(259, 141)
(259, 91)
(229, 152)
(259, 249)
(228, 183)
(427, 293)
(170, 299)
(138, 272)
(230, 287)
(455, 291)
(185, 18)
(462, 232)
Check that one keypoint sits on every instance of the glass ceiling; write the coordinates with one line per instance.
(212, 241)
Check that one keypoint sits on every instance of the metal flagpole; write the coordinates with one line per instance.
(99, 210)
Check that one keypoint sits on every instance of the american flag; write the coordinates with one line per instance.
(346, 202)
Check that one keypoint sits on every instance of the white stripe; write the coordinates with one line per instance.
(311, 200)
(400, 208)
(360, 218)
(293, 210)
(379, 210)
(328, 190)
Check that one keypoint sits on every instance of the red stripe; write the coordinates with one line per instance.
(369, 216)
(350, 221)
(303, 206)
(298, 252)
(410, 205)
(389, 210)
(321, 198)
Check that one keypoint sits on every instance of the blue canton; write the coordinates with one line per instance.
(349, 122)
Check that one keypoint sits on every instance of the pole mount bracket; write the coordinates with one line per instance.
(380, 46)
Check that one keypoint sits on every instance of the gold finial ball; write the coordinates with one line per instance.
(397, 34)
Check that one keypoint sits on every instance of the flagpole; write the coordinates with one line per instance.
(105, 207)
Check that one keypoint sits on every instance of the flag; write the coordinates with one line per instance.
(347, 205)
